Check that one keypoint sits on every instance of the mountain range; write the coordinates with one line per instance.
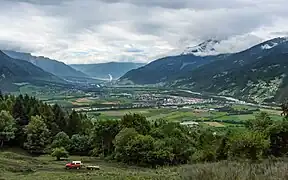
(77, 72)
(108, 70)
(55, 67)
(13, 71)
(258, 74)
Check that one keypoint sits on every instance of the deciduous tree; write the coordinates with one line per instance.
(261, 122)
(284, 108)
(121, 141)
(7, 127)
(59, 153)
(136, 121)
(103, 134)
(248, 145)
(80, 144)
(37, 135)
(61, 140)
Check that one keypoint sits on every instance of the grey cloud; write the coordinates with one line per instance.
(101, 29)
(183, 4)
(133, 50)
(172, 4)
(40, 2)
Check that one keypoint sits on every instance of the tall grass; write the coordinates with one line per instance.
(267, 170)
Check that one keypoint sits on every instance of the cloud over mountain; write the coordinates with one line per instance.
(91, 31)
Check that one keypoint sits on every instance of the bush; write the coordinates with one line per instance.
(59, 153)
(261, 122)
(278, 134)
(247, 145)
(204, 156)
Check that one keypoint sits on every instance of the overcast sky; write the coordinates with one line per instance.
(93, 31)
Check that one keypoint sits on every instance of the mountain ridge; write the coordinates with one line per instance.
(50, 65)
(18, 71)
(226, 74)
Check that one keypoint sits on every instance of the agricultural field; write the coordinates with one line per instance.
(206, 116)
(113, 100)
(118, 114)
(49, 93)
(215, 124)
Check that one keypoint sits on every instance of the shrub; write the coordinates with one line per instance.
(59, 153)
(247, 145)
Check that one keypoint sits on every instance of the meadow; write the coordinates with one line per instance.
(17, 164)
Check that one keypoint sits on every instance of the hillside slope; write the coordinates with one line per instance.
(18, 164)
(55, 67)
(18, 71)
(166, 69)
(258, 74)
(104, 70)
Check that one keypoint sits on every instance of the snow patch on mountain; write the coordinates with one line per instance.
(204, 49)
(267, 46)
(231, 45)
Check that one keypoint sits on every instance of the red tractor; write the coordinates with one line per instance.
(74, 165)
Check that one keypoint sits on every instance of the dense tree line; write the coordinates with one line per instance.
(233, 111)
(31, 124)
(39, 128)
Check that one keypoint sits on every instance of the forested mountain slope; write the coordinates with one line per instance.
(52, 66)
(18, 71)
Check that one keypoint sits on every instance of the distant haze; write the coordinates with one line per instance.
(108, 71)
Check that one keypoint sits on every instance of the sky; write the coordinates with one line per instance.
(95, 31)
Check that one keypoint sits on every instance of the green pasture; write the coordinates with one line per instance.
(20, 165)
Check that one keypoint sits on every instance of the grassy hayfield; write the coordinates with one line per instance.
(154, 114)
(19, 165)
(121, 113)
(215, 124)
(81, 101)
(15, 166)
(272, 111)
(243, 117)
(118, 114)
(49, 93)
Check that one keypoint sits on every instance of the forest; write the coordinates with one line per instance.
(39, 128)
